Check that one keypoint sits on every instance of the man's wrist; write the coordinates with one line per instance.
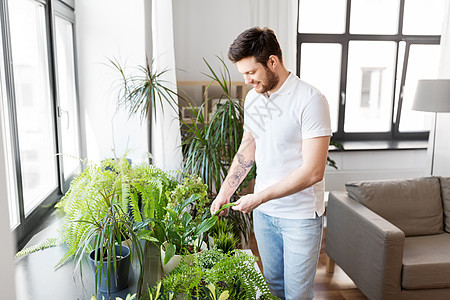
(263, 196)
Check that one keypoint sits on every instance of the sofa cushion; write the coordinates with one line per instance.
(413, 205)
(426, 262)
(445, 191)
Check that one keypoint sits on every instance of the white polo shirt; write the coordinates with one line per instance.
(279, 124)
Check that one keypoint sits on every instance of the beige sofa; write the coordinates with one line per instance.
(392, 237)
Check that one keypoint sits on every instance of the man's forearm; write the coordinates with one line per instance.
(241, 165)
(238, 171)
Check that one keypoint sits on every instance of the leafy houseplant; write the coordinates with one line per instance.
(234, 272)
(212, 144)
(139, 92)
(110, 259)
(180, 231)
(109, 200)
(222, 235)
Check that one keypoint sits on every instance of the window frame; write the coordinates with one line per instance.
(343, 39)
(53, 8)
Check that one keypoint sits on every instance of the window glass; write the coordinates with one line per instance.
(374, 17)
(6, 141)
(423, 17)
(35, 119)
(67, 96)
(320, 66)
(370, 78)
(422, 64)
(322, 16)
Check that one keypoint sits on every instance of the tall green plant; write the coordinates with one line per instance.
(143, 88)
(212, 144)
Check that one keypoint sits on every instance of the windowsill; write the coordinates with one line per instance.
(36, 277)
(381, 145)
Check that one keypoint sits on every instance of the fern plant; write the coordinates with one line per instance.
(113, 193)
(140, 191)
(234, 272)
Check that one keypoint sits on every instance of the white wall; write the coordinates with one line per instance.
(374, 165)
(109, 29)
(204, 29)
(442, 153)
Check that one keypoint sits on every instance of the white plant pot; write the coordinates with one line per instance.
(211, 242)
(175, 260)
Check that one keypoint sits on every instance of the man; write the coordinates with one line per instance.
(286, 132)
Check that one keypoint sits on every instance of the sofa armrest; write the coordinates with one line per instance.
(367, 247)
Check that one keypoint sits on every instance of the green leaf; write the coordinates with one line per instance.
(185, 219)
(225, 206)
(224, 296)
(146, 235)
(206, 225)
(170, 252)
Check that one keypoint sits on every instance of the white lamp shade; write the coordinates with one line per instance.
(432, 95)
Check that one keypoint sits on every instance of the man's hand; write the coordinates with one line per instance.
(248, 203)
(218, 203)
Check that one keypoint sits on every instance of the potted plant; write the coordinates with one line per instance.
(160, 293)
(180, 233)
(234, 272)
(222, 237)
(115, 196)
(109, 258)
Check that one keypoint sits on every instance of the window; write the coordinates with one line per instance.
(40, 111)
(68, 108)
(366, 57)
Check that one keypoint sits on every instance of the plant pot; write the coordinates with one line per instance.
(123, 265)
(211, 242)
(175, 260)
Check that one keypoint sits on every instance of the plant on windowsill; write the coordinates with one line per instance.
(110, 258)
(139, 192)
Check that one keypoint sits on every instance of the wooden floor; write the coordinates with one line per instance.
(334, 286)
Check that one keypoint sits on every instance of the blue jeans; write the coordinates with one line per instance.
(289, 251)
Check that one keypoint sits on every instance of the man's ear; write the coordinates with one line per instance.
(272, 62)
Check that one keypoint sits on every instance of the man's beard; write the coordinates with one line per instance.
(269, 82)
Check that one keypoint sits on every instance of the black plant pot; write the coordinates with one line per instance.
(123, 266)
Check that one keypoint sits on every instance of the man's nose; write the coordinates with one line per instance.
(247, 79)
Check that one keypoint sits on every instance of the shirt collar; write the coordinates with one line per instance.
(287, 86)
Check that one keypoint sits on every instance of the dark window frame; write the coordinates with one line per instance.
(343, 39)
(53, 8)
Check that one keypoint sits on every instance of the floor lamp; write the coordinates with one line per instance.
(432, 95)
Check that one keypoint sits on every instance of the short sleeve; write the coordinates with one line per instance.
(315, 118)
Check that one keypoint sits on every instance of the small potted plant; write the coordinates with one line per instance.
(110, 258)
(181, 234)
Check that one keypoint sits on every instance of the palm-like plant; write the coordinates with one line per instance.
(212, 144)
(139, 92)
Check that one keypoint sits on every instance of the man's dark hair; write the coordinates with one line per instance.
(256, 42)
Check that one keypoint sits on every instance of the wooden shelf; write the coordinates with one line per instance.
(204, 92)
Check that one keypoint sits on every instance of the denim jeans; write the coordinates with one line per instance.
(289, 251)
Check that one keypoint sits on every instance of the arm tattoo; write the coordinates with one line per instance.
(240, 171)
